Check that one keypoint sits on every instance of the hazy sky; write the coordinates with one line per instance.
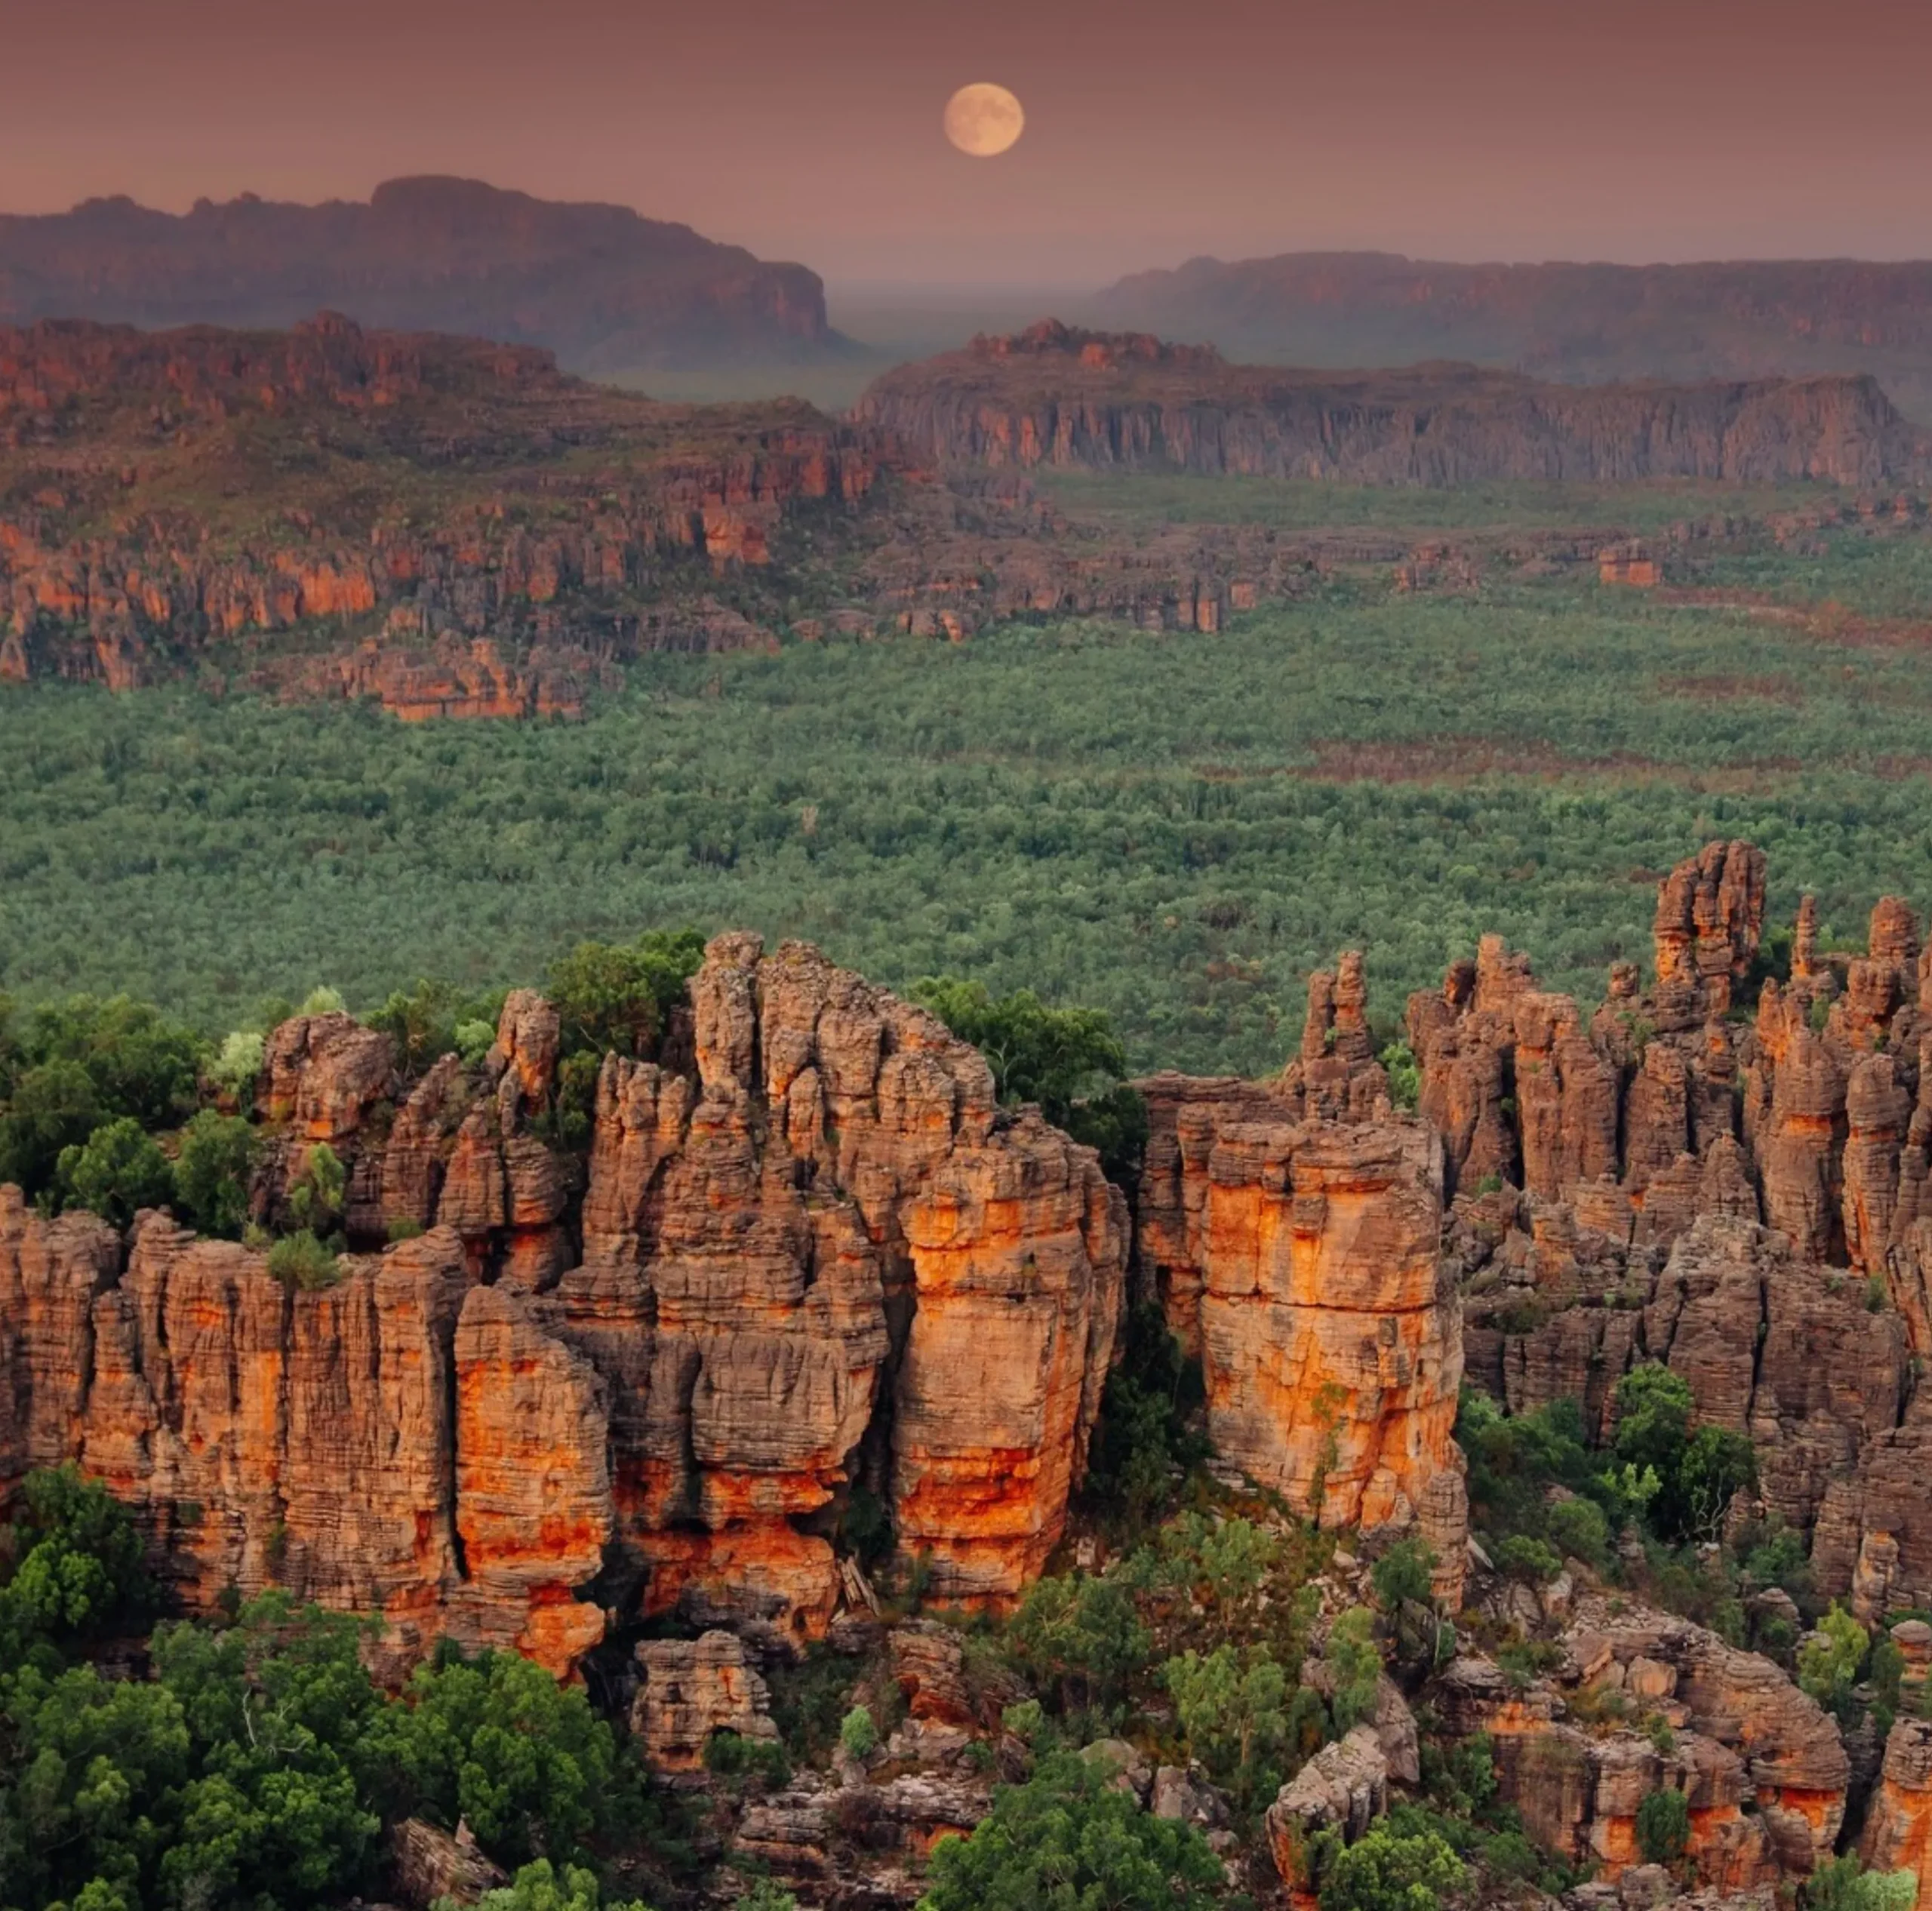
(809, 129)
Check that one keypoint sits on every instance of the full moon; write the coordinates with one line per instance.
(984, 119)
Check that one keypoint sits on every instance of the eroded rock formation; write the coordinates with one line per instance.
(1291, 1233)
(818, 1261)
(1762, 1768)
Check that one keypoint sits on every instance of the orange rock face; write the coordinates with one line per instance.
(1898, 1830)
(820, 1262)
(834, 1216)
(1299, 1256)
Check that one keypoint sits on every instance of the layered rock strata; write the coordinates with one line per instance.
(1056, 395)
(1290, 1234)
(589, 522)
(1763, 1769)
(816, 1261)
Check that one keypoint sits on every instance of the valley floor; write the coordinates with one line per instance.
(1173, 827)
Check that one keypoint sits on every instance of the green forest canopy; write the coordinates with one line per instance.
(1170, 827)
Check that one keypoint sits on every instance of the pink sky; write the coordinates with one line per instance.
(810, 129)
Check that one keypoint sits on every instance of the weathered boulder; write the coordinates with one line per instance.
(1344, 1788)
(689, 1689)
(430, 1866)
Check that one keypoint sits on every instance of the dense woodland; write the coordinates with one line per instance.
(1173, 828)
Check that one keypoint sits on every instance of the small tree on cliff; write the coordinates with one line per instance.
(1663, 1826)
(1067, 1060)
(616, 998)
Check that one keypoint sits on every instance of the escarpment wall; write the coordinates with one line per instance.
(508, 573)
(817, 1258)
(1054, 395)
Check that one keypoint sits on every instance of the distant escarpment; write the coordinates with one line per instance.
(1740, 319)
(602, 288)
(455, 526)
(1055, 395)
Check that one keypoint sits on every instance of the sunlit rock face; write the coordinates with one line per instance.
(1291, 1233)
(816, 1259)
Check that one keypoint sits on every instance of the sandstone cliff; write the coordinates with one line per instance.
(602, 288)
(818, 1260)
(1293, 1246)
(466, 529)
(1733, 1186)
(1057, 396)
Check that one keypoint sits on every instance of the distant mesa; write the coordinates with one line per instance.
(606, 290)
(1057, 395)
(1748, 319)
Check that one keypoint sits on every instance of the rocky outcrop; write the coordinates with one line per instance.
(1342, 1790)
(1055, 395)
(689, 1689)
(1898, 1825)
(1762, 1768)
(606, 290)
(1298, 1253)
(587, 530)
(430, 1866)
(834, 1227)
(817, 1259)
(1735, 1188)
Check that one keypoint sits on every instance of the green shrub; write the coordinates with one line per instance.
(497, 1741)
(1845, 1884)
(316, 1195)
(1663, 1826)
(301, 1261)
(1069, 1060)
(1579, 1529)
(613, 998)
(731, 1754)
(1404, 1074)
(1831, 1659)
(141, 1065)
(1387, 1870)
(434, 1019)
(1356, 1663)
(1070, 1837)
(1404, 1575)
(79, 1569)
(237, 1066)
(54, 1107)
(1533, 1561)
(857, 1734)
(115, 1173)
(1080, 1639)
